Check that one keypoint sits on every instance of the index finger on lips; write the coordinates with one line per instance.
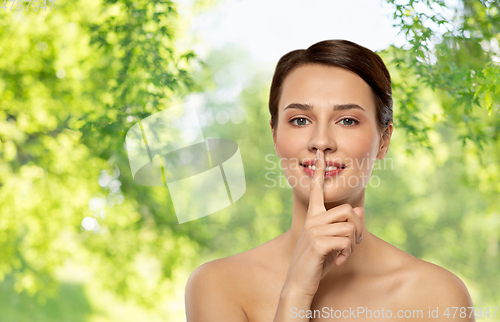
(317, 193)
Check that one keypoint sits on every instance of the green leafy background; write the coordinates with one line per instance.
(74, 80)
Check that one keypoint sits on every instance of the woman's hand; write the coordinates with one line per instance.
(328, 238)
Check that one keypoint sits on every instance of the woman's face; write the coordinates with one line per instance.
(331, 109)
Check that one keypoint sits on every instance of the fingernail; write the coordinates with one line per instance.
(317, 154)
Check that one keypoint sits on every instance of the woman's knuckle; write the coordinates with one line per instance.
(346, 207)
(309, 224)
(317, 232)
(347, 243)
(318, 245)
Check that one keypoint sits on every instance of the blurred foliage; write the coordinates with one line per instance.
(70, 304)
(447, 101)
(74, 80)
(455, 51)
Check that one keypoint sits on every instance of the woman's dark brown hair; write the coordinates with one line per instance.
(338, 53)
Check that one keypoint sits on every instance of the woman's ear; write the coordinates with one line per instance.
(274, 138)
(385, 139)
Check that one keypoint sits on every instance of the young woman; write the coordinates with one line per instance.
(331, 118)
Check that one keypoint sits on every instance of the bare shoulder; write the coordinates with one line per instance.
(435, 287)
(422, 279)
(212, 293)
(445, 286)
(216, 290)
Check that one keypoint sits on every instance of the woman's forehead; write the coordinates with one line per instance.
(320, 85)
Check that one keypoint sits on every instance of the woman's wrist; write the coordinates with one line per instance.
(292, 291)
(293, 297)
(294, 294)
(292, 301)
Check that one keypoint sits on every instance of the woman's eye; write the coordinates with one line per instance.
(301, 121)
(349, 122)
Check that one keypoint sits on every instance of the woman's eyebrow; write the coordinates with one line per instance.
(336, 107)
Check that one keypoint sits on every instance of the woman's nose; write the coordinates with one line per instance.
(322, 139)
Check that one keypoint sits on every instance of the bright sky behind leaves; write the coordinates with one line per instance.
(269, 29)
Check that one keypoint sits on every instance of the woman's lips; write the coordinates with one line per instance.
(331, 173)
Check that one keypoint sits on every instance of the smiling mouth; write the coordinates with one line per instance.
(329, 168)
